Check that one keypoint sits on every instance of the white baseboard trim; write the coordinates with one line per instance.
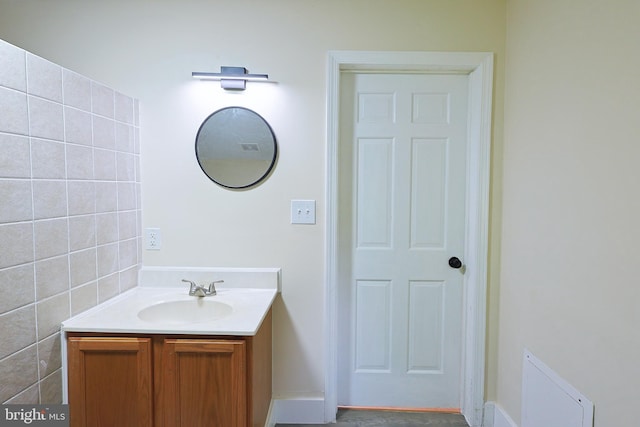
(297, 410)
(495, 416)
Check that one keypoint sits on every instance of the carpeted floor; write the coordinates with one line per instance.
(362, 418)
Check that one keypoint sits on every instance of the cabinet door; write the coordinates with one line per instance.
(204, 383)
(110, 381)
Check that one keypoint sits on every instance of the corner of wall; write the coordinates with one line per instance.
(298, 410)
(495, 416)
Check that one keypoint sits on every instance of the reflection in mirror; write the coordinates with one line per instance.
(236, 147)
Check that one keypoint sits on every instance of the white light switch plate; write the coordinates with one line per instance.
(303, 212)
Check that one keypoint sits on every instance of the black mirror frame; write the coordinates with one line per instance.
(271, 164)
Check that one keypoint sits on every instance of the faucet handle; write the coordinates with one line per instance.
(212, 287)
(192, 284)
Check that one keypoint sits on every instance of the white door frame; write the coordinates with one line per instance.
(479, 67)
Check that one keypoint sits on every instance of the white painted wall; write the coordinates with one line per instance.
(569, 286)
(162, 42)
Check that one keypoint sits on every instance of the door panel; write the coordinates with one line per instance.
(426, 335)
(204, 380)
(373, 318)
(110, 381)
(402, 189)
(375, 168)
(428, 191)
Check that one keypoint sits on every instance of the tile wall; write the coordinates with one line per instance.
(69, 212)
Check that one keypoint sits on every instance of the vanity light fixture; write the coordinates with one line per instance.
(231, 78)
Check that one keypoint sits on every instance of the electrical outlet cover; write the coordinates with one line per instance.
(152, 239)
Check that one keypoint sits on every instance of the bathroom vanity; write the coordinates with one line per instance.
(155, 356)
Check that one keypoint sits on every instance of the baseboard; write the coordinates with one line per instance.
(297, 410)
(495, 416)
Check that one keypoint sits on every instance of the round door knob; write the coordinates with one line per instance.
(454, 262)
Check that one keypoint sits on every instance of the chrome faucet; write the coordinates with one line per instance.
(200, 291)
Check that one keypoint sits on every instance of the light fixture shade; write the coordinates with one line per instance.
(231, 78)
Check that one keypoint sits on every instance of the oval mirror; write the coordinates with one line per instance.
(236, 147)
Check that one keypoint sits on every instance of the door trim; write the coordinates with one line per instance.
(479, 67)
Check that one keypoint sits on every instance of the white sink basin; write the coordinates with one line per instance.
(185, 311)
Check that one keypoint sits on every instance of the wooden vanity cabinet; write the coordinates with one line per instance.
(110, 381)
(169, 380)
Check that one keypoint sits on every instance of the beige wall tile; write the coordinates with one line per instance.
(82, 197)
(123, 108)
(125, 138)
(18, 372)
(78, 126)
(104, 132)
(13, 71)
(79, 162)
(105, 165)
(51, 184)
(14, 117)
(126, 170)
(107, 259)
(108, 287)
(51, 312)
(51, 388)
(15, 201)
(44, 78)
(128, 253)
(102, 100)
(29, 396)
(76, 90)
(49, 199)
(45, 119)
(18, 330)
(15, 161)
(140, 246)
(48, 159)
(52, 276)
(83, 267)
(138, 188)
(106, 197)
(84, 297)
(51, 237)
(129, 278)
(126, 196)
(127, 225)
(136, 141)
(21, 249)
(16, 287)
(49, 355)
(106, 228)
(82, 232)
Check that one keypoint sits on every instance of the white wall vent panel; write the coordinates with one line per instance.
(549, 401)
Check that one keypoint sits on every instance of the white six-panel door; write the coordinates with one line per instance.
(403, 144)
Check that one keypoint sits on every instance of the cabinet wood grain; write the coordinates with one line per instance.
(170, 380)
(110, 381)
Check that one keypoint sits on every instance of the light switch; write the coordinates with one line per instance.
(303, 212)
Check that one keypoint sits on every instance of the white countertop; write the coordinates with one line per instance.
(120, 314)
(249, 292)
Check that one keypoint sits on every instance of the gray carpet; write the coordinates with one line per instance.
(361, 418)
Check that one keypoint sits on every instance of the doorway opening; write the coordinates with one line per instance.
(478, 67)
